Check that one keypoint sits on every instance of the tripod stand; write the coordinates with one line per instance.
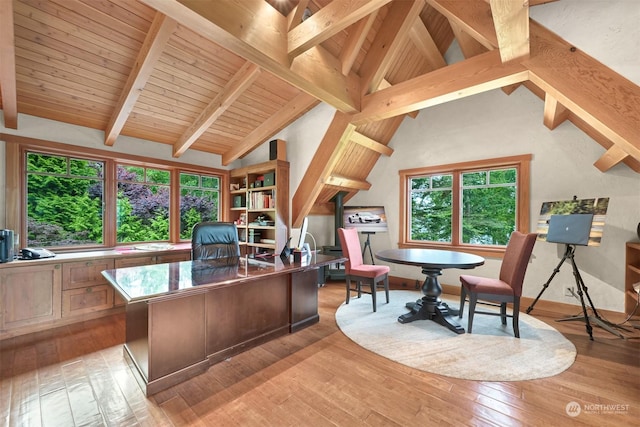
(582, 291)
(367, 244)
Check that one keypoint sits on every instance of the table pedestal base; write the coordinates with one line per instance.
(432, 309)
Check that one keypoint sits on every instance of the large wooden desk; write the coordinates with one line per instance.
(432, 262)
(182, 317)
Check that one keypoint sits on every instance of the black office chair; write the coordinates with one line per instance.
(212, 240)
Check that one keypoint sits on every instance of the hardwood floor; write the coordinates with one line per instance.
(77, 375)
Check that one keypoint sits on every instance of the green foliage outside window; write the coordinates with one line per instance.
(199, 201)
(65, 201)
(488, 201)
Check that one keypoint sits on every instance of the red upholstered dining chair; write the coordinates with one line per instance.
(359, 272)
(507, 288)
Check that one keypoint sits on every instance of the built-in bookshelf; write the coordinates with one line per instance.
(260, 206)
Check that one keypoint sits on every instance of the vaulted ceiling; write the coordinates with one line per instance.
(224, 76)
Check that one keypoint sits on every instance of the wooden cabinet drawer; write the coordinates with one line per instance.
(86, 300)
(82, 274)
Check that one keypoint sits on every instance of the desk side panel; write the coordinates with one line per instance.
(240, 317)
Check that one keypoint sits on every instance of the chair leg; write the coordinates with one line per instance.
(348, 290)
(359, 287)
(473, 298)
(374, 288)
(516, 317)
(503, 313)
(386, 288)
(463, 297)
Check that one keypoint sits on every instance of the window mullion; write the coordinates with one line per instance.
(456, 215)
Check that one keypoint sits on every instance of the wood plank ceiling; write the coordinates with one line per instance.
(224, 76)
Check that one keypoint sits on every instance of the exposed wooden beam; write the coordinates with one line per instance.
(422, 39)
(285, 116)
(327, 155)
(610, 158)
(469, 46)
(599, 96)
(471, 16)
(394, 31)
(573, 78)
(554, 112)
(373, 145)
(8, 66)
(157, 37)
(356, 38)
(328, 21)
(347, 183)
(255, 31)
(295, 16)
(240, 82)
(472, 76)
(511, 21)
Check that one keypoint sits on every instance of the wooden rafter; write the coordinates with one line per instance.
(240, 82)
(422, 39)
(157, 37)
(323, 163)
(295, 16)
(255, 31)
(365, 141)
(394, 31)
(554, 112)
(8, 66)
(357, 36)
(346, 183)
(472, 76)
(328, 21)
(576, 80)
(571, 77)
(511, 20)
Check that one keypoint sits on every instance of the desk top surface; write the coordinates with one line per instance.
(143, 283)
(431, 258)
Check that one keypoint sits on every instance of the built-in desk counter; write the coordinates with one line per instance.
(184, 316)
(46, 293)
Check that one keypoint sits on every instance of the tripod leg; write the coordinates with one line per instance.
(596, 317)
(584, 307)
(556, 270)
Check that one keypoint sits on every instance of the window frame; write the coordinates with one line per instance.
(17, 147)
(520, 162)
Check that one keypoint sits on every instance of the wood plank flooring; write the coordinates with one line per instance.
(77, 376)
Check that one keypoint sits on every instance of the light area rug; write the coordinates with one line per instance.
(490, 353)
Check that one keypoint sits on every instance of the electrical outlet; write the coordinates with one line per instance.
(569, 291)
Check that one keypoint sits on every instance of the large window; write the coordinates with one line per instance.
(476, 205)
(199, 199)
(75, 197)
(64, 200)
(143, 204)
